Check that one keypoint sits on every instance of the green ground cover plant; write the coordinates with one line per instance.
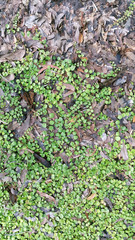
(127, 14)
(86, 195)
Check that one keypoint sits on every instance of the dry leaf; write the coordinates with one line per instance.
(41, 76)
(67, 94)
(69, 86)
(7, 179)
(45, 67)
(80, 38)
(42, 160)
(9, 78)
(35, 44)
(124, 152)
(44, 221)
(13, 125)
(23, 175)
(23, 128)
(91, 196)
(108, 203)
(51, 111)
(2, 174)
(15, 56)
(28, 97)
(130, 43)
(84, 58)
(80, 70)
(48, 181)
(48, 197)
(131, 56)
(133, 119)
(73, 119)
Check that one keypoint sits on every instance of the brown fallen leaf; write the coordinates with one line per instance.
(78, 134)
(46, 66)
(133, 119)
(80, 70)
(41, 76)
(91, 196)
(124, 153)
(15, 56)
(108, 203)
(44, 221)
(51, 111)
(69, 86)
(48, 181)
(34, 44)
(84, 58)
(73, 119)
(48, 197)
(13, 125)
(23, 128)
(9, 78)
(42, 160)
(23, 175)
(80, 38)
(28, 97)
(6, 179)
(78, 219)
(67, 94)
(2, 174)
(131, 141)
(130, 43)
(130, 55)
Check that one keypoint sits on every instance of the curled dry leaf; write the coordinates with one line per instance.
(91, 196)
(48, 197)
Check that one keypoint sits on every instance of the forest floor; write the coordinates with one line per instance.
(67, 119)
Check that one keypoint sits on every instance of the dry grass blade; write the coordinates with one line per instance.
(93, 195)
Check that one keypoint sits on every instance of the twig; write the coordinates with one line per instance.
(95, 6)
